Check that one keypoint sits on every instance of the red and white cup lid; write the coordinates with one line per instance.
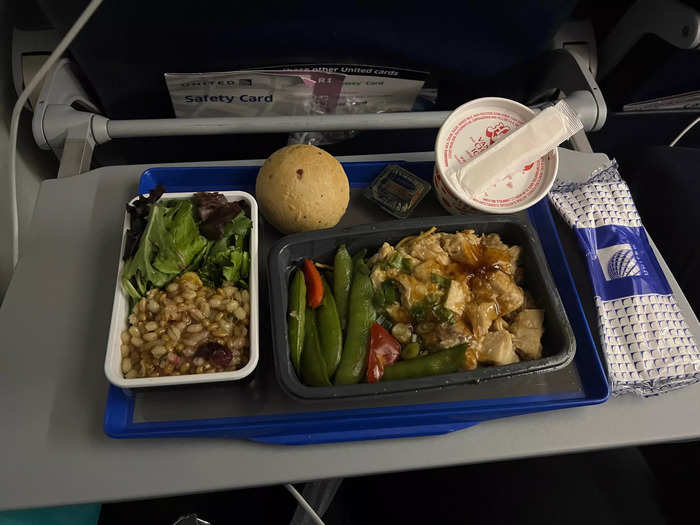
(474, 127)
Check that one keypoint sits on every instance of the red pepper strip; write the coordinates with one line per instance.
(384, 349)
(314, 285)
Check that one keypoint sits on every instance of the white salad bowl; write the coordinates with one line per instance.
(120, 313)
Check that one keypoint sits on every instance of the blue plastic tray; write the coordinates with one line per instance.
(367, 423)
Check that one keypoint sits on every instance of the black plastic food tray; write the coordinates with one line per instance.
(558, 341)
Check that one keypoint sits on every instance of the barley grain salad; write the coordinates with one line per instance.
(186, 272)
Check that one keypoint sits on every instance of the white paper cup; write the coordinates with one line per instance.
(472, 128)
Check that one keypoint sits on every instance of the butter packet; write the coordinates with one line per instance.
(397, 191)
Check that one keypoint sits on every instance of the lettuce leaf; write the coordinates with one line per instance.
(183, 241)
(232, 272)
(138, 271)
(138, 217)
(226, 260)
(216, 213)
(169, 245)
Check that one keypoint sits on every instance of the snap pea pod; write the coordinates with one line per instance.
(361, 315)
(330, 334)
(359, 255)
(297, 314)
(410, 351)
(313, 367)
(342, 278)
(442, 362)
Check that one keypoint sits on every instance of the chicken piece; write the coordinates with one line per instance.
(427, 248)
(453, 334)
(470, 236)
(456, 297)
(499, 324)
(411, 289)
(508, 295)
(530, 318)
(463, 247)
(497, 349)
(378, 276)
(385, 253)
(497, 259)
(424, 270)
(481, 288)
(480, 316)
(493, 240)
(408, 263)
(527, 332)
(499, 254)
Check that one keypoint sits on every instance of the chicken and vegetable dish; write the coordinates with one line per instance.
(446, 289)
(434, 303)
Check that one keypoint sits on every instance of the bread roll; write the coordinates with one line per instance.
(301, 188)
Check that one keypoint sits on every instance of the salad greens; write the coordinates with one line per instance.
(226, 259)
(182, 240)
(138, 217)
(172, 243)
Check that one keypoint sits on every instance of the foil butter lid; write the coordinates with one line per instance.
(474, 127)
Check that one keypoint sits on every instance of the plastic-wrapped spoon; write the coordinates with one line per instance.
(526, 144)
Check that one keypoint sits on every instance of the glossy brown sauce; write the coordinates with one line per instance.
(487, 260)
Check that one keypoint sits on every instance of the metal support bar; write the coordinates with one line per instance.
(95, 129)
(223, 126)
(582, 102)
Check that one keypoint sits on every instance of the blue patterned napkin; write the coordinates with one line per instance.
(648, 346)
